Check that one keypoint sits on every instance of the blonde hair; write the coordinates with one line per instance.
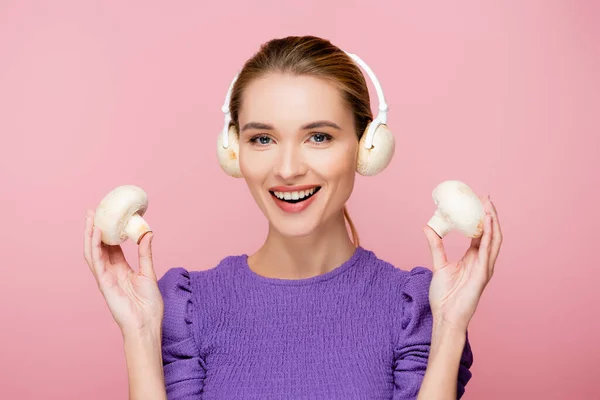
(309, 55)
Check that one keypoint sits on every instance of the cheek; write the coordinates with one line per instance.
(254, 165)
(336, 163)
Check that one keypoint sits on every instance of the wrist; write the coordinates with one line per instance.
(150, 332)
(143, 348)
(451, 325)
(143, 357)
(447, 344)
(447, 340)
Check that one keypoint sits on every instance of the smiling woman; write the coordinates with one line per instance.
(310, 313)
(293, 148)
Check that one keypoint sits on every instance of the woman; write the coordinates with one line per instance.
(310, 314)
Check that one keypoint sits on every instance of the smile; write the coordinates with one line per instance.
(294, 199)
(297, 196)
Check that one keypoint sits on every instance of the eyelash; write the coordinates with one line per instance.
(255, 139)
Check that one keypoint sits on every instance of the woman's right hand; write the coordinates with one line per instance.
(133, 298)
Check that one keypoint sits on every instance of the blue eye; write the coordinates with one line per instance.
(321, 137)
(261, 140)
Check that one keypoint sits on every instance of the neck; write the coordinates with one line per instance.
(287, 257)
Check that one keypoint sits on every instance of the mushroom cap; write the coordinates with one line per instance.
(229, 157)
(115, 210)
(461, 206)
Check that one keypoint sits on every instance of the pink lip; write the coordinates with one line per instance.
(294, 207)
(291, 188)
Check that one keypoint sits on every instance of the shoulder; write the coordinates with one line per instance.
(174, 280)
(405, 290)
(408, 300)
(187, 294)
(414, 278)
(179, 283)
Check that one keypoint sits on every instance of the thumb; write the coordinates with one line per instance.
(437, 248)
(145, 256)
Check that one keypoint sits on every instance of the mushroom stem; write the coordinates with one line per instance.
(440, 224)
(136, 228)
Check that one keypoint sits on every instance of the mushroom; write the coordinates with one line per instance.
(458, 207)
(119, 215)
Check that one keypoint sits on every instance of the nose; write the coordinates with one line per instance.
(290, 163)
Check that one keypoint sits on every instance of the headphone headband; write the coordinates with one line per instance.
(380, 119)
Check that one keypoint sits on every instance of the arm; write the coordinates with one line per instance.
(454, 293)
(442, 371)
(163, 360)
(156, 319)
(135, 302)
(427, 353)
(144, 365)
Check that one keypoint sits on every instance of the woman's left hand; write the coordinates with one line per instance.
(456, 287)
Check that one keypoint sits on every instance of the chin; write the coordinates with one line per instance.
(294, 228)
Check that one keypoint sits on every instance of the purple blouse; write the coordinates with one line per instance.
(360, 331)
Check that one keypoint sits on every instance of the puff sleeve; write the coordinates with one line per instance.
(411, 350)
(184, 370)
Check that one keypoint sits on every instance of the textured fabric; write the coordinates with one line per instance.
(360, 331)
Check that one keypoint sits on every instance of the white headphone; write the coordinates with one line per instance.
(375, 151)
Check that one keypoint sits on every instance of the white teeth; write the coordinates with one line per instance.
(294, 195)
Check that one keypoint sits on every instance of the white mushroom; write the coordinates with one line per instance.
(119, 215)
(458, 208)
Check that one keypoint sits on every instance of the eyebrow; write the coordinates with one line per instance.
(311, 125)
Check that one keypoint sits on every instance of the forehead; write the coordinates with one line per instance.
(287, 98)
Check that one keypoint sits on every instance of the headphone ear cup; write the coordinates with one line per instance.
(229, 157)
(374, 160)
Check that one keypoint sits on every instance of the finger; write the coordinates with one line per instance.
(485, 201)
(145, 256)
(436, 245)
(115, 254)
(496, 236)
(87, 240)
(98, 261)
(486, 239)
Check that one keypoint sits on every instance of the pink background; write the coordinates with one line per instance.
(502, 95)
